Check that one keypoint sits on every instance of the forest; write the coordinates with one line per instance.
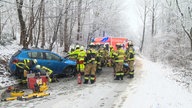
(164, 32)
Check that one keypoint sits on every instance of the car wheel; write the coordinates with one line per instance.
(69, 71)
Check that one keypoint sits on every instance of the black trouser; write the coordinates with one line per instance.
(19, 73)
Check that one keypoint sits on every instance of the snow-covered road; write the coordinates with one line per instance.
(151, 88)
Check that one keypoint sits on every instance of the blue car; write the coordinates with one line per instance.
(58, 64)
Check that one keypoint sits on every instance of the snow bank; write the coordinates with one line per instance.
(156, 90)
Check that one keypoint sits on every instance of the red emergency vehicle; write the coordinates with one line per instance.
(112, 41)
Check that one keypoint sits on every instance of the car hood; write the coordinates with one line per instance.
(70, 62)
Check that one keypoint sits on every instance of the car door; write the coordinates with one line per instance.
(54, 62)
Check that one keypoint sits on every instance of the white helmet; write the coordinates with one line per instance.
(81, 48)
(35, 61)
(77, 46)
(38, 67)
(130, 43)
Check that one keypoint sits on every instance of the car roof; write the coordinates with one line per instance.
(35, 49)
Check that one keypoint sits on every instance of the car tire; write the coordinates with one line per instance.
(68, 71)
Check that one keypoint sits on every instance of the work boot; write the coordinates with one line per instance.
(85, 82)
(116, 78)
(121, 77)
(131, 76)
(92, 81)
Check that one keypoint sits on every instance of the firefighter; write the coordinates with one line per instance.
(75, 53)
(80, 60)
(47, 71)
(101, 58)
(130, 52)
(119, 60)
(106, 55)
(24, 67)
(110, 60)
(91, 64)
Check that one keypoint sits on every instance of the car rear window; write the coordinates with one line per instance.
(35, 55)
(17, 53)
(14, 55)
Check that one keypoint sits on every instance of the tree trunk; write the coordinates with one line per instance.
(23, 36)
(66, 36)
(143, 35)
(153, 20)
(189, 33)
(39, 32)
(79, 20)
(43, 25)
(0, 26)
(191, 38)
(54, 38)
(31, 24)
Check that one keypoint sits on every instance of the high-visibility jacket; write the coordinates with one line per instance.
(49, 71)
(130, 54)
(75, 53)
(112, 51)
(81, 57)
(25, 64)
(91, 56)
(119, 55)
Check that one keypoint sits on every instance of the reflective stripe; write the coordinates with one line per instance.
(122, 73)
(131, 73)
(20, 65)
(131, 59)
(117, 74)
(92, 78)
(47, 69)
(50, 80)
(119, 60)
(26, 61)
(86, 78)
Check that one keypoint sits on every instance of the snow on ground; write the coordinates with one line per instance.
(151, 89)
(156, 90)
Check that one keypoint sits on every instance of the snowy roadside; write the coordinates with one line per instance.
(152, 87)
(156, 90)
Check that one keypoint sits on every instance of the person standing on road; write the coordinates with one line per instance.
(75, 53)
(91, 64)
(81, 60)
(130, 55)
(119, 60)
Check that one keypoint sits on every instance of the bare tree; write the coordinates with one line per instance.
(40, 19)
(144, 19)
(153, 16)
(43, 25)
(79, 20)
(56, 28)
(188, 33)
(23, 29)
(66, 36)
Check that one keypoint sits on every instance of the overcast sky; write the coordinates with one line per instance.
(131, 16)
